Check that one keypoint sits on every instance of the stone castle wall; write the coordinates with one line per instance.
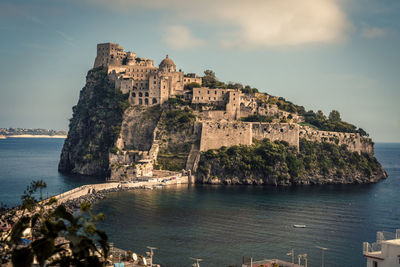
(353, 141)
(287, 132)
(216, 134)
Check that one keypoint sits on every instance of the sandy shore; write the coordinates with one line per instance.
(36, 136)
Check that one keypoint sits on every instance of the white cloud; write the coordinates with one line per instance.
(254, 23)
(286, 22)
(179, 37)
(373, 32)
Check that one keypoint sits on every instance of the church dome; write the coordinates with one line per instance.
(167, 64)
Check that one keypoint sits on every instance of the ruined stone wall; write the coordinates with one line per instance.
(207, 95)
(288, 132)
(217, 134)
(187, 80)
(216, 115)
(233, 105)
(353, 141)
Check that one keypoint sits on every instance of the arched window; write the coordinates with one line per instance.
(133, 94)
(140, 101)
(154, 101)
(140, 94)
(146, 101)
(146, 94)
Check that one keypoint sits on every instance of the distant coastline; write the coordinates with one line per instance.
(31, 133)
(32, 136)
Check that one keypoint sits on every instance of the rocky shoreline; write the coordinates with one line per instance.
(75, 203)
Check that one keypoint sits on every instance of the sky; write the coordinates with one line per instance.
(322, 54)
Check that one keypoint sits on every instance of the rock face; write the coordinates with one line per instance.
(108, 137)
(279, 164)
(94, 127)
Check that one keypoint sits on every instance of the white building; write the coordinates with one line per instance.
(385, 252)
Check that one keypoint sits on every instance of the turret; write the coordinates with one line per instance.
(167, 65)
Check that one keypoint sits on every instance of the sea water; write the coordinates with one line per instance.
(220, 224)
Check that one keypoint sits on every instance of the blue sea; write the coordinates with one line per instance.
(220, 224)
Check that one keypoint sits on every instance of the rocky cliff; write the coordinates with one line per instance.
(94, 127)
(276, 163)
(109, 137)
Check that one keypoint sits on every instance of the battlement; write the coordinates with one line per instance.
(353, 141)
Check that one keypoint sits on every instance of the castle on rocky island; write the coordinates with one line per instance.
(148, 85)
(221, 116)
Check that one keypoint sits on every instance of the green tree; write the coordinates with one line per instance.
(192, 85)
(59, 237)
(334, 116)
(209, 79)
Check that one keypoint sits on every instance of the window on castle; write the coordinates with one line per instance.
(214, 98)
(209, 98)
(146, 94)
(215, 92)
(154, 101)
(146, 101)
(133, 94)
(140, 94)
(199, 92)
(208, 92)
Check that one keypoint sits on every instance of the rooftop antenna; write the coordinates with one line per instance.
(304, 256)
(322, 251)
(291, 253)
(197, 264)
(151, 254)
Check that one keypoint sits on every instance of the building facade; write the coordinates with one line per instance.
(385, 252)
(146, 84)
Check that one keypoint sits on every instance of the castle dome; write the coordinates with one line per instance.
(167, 64)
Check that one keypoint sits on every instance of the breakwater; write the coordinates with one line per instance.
(92, 192)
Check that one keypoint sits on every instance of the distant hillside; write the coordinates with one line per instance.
(23, 131)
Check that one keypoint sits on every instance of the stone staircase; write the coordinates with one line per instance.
(193, 158)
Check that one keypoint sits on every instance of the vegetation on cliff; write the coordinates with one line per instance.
(177, 135)
(267, 162)
(332, 123)
(315, 119)
(94, 127)
(257, 118)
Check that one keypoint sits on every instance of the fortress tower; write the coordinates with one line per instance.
(109, 54)
(146, 84)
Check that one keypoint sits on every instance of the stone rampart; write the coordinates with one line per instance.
(221, 133)
(353, 141)
(288, 132)
(216, 134)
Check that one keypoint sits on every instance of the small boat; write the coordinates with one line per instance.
(299, 225)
